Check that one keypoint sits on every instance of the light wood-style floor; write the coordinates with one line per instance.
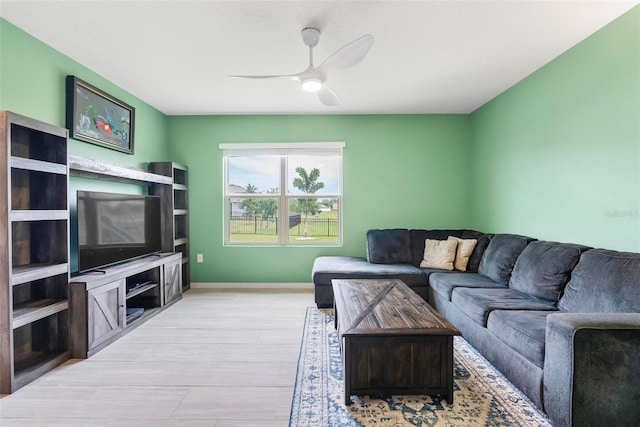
(216, 358)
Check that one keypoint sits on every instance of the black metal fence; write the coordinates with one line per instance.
(316, 226)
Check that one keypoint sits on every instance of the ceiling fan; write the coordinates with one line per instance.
(313, 79)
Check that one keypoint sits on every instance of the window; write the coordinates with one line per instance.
(283, 194)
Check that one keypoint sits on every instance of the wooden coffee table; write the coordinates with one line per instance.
(392, 341)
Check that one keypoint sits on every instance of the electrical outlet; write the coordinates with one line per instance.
(200, 258)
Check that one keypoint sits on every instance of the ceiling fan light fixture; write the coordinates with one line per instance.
(311, 84)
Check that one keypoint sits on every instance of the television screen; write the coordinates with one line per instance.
(113, 228)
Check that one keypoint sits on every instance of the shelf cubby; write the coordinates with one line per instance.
(184, 250)
(39, 242)
(180, 226)
(37, 190)
(39, 298)
(143, 291)
(180, 176)
(180, 199)
(40, 346)
(45, 143)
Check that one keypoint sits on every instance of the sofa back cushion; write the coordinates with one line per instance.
(604, 281)
(500, 256)
(419, 236)
(390, 246)
(481, 245)
(543, 268)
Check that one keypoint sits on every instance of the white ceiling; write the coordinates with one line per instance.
(428, 56)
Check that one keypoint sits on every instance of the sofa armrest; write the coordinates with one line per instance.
(592, 369)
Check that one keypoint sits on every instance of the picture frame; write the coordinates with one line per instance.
(96, 117)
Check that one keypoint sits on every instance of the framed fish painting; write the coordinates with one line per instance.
(97, 117)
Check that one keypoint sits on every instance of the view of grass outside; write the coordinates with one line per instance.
(321, 227)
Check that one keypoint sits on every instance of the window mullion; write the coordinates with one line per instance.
(283, 208)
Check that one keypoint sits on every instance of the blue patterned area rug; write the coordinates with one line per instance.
(483, 397)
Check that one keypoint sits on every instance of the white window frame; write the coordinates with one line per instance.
(283, 150)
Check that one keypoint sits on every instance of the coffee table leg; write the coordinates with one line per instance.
(450, 369)
(346, 373)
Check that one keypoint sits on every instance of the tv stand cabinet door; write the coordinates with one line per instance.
(105, 312)
(172, 281)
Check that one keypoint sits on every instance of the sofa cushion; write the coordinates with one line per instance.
(326, 268)
(543, 268)
(463, 252)
(444, 283)
(501, 255)
(522, 330)
(439, 254)
(390, 246)
(478, 303)
(419, 236)
(481, 245)
(604, 281)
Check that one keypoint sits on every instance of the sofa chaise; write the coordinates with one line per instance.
(561, 321)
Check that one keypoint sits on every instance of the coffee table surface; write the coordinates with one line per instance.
(388, 306)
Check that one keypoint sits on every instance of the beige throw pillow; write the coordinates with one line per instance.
(463, 252)
(439, 254)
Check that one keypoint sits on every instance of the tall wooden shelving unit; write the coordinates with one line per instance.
(44, 319)
(34, 250)
(175, 213)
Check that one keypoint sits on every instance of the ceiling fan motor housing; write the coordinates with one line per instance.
(311, 36)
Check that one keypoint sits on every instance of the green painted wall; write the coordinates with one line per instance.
(399, 171)
(557, 156)
(32, 83)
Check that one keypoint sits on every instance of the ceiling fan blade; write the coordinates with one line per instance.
(328, 97)
(349, 55)
(264, 77)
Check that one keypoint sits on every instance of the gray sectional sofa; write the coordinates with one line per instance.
(561, 321)
(394, 253)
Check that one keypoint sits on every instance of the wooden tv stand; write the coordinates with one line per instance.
(100, 300)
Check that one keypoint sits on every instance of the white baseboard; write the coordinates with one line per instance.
(261, 286)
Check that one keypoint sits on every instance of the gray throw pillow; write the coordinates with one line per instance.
(478, 251)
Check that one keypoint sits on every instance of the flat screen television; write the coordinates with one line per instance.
(114, 228)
